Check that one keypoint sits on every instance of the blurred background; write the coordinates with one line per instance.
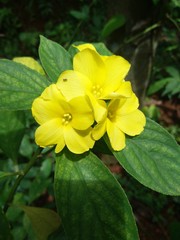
(146, 33)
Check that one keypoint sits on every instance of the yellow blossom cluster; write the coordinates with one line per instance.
(87, 102)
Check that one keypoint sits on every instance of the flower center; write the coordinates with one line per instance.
(97, 91)
(67, 117)
(110, 115)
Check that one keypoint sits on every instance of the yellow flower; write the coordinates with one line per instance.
(101, 78)
(85, 46)
(122, 118)
(63, 122)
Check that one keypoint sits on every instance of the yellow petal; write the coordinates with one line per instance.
(44, 111)
(132, 123)
(99, 130)
(73, 84)
(52, 93)
(78, 141)
(49, 105)
(30, 62)
(116, 136)
(82, 113)
(116, 70)
(99, 108)
(50, 133)
(90, 64)
(60, 145)
(84, 46)
(125, 90)
(123, 106)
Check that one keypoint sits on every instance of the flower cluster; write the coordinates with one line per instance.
(87, 102)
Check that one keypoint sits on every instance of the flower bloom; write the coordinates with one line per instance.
(99, 77)
(94, 94)
(63, 122)
(122, 118)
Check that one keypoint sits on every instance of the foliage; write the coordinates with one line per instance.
(20, 35)
(147, 157)
(124, 26)
(170, 85)
(113, 24)
(165, 74)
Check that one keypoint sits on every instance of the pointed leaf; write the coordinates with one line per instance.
(12, 128)
(44, 221)
(153, 158)
(54, 58)
(158, 85)
(72, 49)
(173, 72)
(19, 85)
(114, 23)
(90, 201)
(102, 49)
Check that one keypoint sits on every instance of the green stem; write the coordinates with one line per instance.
(147, 30)
(19, 179)
(139, 35)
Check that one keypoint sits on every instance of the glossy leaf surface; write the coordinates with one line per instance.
(12, 128)
(90, 201)
(153, 158)
(19, 85)
(54, 58)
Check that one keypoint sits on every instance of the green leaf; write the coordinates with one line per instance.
(72, 49)
(4, 228)
(44, 221)
(176, 3)
(102, 49)
(158, 85)
(26, 148)
(173, 85)
(173, 72)
(90, 201)
(19, 85)
(153, 158)
(12, 128)
(114, 23)
(54, 58)
(83, 14)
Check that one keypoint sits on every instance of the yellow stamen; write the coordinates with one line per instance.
(67, 117)
(97, 91)
(110, 115)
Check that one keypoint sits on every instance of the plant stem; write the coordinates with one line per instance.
(139, 35)
(19, 179)
(147, 30)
